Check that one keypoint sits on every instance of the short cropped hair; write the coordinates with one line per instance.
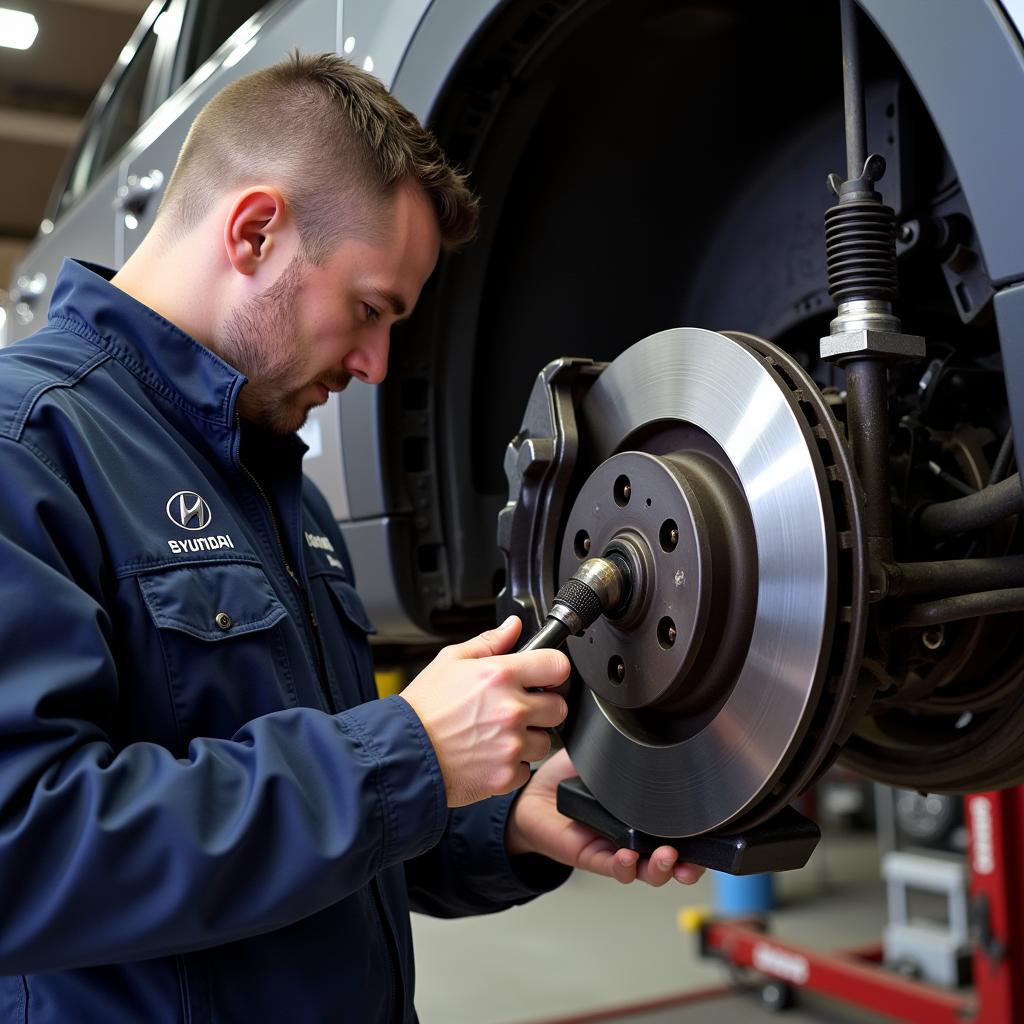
(332, 138)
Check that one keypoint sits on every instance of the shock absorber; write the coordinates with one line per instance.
(865, 336)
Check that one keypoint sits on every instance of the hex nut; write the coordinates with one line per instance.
(867, 342)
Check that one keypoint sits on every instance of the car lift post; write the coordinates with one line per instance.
(855, 976)
(996, 826)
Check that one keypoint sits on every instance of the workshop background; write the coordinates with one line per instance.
(45, 92)
(890, 879)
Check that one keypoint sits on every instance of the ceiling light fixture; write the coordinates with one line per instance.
(18, 29)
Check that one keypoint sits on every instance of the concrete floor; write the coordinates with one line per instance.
(594, 945)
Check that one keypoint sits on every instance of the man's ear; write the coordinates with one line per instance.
(256, 219)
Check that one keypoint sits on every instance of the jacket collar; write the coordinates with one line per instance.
(150, 347)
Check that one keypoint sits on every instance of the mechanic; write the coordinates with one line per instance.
(205, 814)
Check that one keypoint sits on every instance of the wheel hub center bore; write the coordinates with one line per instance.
(681, 523)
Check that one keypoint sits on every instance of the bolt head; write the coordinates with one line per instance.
(673, 536)
(586, 544)
(672, 634)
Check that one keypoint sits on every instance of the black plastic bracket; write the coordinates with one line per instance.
(783, 843)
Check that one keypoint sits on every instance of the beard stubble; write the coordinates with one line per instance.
(259, 339)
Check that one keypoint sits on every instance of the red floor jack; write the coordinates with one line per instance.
(856, 977)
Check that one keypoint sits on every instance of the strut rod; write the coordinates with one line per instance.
(867, 404)
(853, 93)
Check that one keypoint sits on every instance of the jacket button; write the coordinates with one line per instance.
(223, 620)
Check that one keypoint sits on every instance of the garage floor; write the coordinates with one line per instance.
(736, 1009)
(594, 947)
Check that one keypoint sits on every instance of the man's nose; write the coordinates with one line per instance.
(371, 365)
(379, 358)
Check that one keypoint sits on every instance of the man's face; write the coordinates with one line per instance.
(317, 327)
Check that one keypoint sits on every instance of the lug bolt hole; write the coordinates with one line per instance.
(666, 632)
(581, 545)
(669, 535)
(622, 491)
(616, 669)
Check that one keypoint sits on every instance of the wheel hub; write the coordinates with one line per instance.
(681, 524)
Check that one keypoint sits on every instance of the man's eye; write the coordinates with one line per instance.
(371, 312)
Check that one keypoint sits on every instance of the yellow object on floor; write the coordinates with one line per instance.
(390, 681)
(690, 919)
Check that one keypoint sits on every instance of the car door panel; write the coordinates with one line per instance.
(85, 232)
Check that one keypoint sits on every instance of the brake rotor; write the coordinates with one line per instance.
(728, 679)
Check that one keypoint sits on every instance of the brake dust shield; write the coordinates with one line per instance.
(713, 465)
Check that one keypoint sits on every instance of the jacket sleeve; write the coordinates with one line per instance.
(109, 854)
(469, 870)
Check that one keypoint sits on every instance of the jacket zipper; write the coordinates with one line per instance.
(186, 996)
(314, 628)
(392, 947)
(390, 942)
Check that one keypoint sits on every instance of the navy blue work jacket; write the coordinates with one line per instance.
(205, 815)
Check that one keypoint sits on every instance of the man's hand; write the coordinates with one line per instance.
(536, 826)
(486, 724)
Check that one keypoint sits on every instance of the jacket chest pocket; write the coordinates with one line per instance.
(222, 637)
(344, 629)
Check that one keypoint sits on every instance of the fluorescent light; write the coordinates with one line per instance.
(18, 30)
